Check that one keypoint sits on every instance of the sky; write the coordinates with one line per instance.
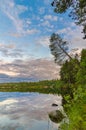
(25, 30)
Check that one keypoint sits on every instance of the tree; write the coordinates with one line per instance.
(69, 71)
(59, 48)
(68, 74)
(77, 10)
(81, 76)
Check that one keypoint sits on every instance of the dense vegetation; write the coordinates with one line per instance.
(73, 74)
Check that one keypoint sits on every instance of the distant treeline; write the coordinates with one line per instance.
(46, 86)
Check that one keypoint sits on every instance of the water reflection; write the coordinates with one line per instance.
(27, 111)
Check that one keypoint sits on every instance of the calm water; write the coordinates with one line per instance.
(27, 111)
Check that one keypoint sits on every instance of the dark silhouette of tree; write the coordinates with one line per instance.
(59, 48)
(77, 10)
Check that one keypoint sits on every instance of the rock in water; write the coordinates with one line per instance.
(56, 116)
(54, 105)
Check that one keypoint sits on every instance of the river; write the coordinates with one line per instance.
(27, 111)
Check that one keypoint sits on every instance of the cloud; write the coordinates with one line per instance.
(73, 35)
(13, 11)
(16, 53)
(44, 41)
(37, 69)
(41, 10)
(10, 50)
(46, 23)
(32, 31)
(47, 2)
(50, 17)
(9, 46)
(28, 21)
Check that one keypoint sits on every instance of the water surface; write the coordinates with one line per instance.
(27, 111)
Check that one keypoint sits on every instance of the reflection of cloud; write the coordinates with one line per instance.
(8, 102)
(39, 105)
(26, 110)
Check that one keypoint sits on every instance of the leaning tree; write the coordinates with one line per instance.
(59, 48)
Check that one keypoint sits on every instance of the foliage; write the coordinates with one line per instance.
(45, 86)
(81, 76)
(74, 96)
(59, 48)
(69, 70)
(77, 10)
(76, 111)
(68, 74)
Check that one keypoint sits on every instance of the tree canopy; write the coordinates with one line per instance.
(77, 10)
(81, 76)
(59, 48)
(69, 71)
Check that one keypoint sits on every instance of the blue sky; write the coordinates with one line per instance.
(25, 29)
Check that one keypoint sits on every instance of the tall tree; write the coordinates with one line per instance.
(81, 76)
(69, 71)
(77, 10)
(59, 48)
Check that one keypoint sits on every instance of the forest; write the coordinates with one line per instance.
(72, 83)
